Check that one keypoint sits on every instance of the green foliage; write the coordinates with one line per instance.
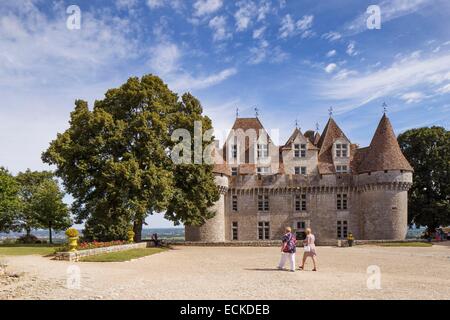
(9, 201)
(115, 160)
(428, 151)
(72, 233)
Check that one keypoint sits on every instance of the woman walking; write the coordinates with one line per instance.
(288, 250)
(310, 249)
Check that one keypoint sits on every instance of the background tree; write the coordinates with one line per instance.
(29, 182)
(428, 151)
(49, 208)
(9, 201)
(115, 159)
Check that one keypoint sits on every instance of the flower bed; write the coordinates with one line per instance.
(96, 244)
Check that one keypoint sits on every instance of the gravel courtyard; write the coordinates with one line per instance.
(240, 273)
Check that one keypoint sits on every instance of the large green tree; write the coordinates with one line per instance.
(428, 151)
(49, 208)
(9, 201)
(29, 182)
(115, 159)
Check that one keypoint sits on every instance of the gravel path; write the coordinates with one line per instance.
(239, 273)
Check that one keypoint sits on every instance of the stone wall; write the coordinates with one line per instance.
(76, 256)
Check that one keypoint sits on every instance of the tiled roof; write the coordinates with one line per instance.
(247, 169)
(248, 123)
(384, 152)
(325, 144)
(288, 144)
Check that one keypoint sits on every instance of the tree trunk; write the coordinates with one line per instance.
(28, 231)
(137, 229)
(50, 240)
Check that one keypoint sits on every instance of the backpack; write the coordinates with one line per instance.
(290, 244)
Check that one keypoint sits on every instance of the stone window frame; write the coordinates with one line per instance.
(263, 230)
(234, 203)
(300, 229)
(300, 202)
(342, 201)
(341, 150)
(234, 231)
(300, 170)
(262, 150)
(258, 170)
(342, 229)
(342, 168)
(234, 172)
(234, 151)
(299, 150)
(263, 203)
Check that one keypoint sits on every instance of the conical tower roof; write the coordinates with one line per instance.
(384, 152)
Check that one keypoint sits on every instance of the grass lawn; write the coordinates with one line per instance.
(122, 256)
(27, 249)
(405, 244)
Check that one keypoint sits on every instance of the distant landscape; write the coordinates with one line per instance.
(163, 233)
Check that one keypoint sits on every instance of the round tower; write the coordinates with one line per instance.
(214, 229)
(385, 176)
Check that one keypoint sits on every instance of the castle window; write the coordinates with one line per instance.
(341, 150)
(300, 230)
(234, 203)
(341, 169)
(263, 151)
(300, 202)
(263, 202)
(234, 231)
(300, 150)
(263, 230)
(263, 170)
(234, 172)
(300, 170)
(342, 229)
(342, 201)
(234, 151)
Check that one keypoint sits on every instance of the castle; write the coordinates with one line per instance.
(322, 181)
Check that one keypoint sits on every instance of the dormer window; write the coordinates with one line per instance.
(263, 151)
(300, 150)
(234, 172)
(300, 170)
(341, 150)
(341, 169)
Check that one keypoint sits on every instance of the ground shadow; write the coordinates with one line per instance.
(265, 269)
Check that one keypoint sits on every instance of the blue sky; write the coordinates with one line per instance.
(292, 59)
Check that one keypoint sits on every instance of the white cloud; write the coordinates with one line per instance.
(412, 97)
(219, 25)
(249, 11)
(204, 7)
(390, 10)
(332, 36)
(331, 53)
(126, 4)
(330, 68)
(258, 33)
(186, 81)
(166, 60)
(291, 28)
(153, 4)
(344, 74)
(444, 89)
(402, 76)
